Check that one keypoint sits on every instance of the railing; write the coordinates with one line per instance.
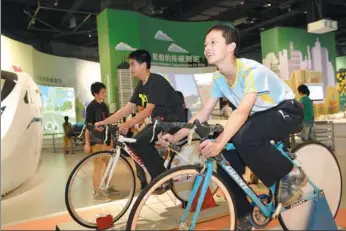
(55, 141)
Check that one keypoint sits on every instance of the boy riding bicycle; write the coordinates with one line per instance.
(159, 99)
(265, 110)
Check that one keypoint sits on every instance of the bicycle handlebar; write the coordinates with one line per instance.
(202, 130)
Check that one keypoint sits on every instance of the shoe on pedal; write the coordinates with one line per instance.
(244, 223)
(111, 191)
(98, 196)
(291, 185)
(161, 190)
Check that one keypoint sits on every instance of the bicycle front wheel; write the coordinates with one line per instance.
(164, 212)
(322, 168)
(83, 204)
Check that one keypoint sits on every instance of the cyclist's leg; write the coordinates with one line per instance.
(141, 175)
(147, 152)
(253, 142)
(243, 206)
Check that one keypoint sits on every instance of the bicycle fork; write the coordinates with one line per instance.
(110, 169)
(209, 171)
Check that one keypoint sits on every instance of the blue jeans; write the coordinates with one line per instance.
(306, 133)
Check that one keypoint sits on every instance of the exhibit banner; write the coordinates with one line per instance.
(341, 78)
(298, 58)
(170, 43)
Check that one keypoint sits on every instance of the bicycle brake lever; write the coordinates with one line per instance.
(154, 129)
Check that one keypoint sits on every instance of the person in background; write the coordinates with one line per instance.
(97, 111)
(308, 121)
(67, 135)
(187, 110)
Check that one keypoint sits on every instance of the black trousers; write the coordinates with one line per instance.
(253, 148)
(148, 153)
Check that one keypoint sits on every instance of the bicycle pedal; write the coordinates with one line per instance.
(104, 222)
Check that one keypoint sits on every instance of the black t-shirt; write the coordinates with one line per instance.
(158, 91)
(96, 112)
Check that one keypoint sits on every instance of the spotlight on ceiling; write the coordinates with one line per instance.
(266, 5)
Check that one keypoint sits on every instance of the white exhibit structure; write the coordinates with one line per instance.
(21, 133)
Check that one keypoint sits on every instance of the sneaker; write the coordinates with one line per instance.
(98, 196)
(161, 190)
(244, 223)
(111, 191)
(291, 185)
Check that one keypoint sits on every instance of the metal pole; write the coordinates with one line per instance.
(43, 22)
(66, 10)
(54, 151)
(84, 20)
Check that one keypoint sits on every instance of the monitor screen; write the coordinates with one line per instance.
(316, 91)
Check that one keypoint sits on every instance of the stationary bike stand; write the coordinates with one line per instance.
(321, 216)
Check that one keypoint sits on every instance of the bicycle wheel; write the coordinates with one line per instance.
(85, 213)
(188, 156)
(155, 212)
(321, 166)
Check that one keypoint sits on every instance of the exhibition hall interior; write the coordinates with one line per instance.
(63, 60)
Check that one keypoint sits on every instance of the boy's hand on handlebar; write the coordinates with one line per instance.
(98, 126)
(165, 139)
(209, 148)
(124, 128)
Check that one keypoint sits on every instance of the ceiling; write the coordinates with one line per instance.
(68, 27)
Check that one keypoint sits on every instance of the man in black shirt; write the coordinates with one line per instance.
(97, 111)
(159, 99)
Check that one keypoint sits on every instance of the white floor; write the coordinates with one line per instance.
(43, 194)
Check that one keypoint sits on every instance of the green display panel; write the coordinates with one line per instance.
(172, 44)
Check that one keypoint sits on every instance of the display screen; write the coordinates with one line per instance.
(57, 102)
(316, 91)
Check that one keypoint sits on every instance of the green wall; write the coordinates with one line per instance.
(175, 44)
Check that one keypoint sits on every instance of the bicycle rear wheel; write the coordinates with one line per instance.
(79, 197)
(321, 166)
(163, 212)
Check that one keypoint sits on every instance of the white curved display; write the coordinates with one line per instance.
(21, 133)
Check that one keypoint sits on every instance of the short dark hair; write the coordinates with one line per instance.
(304, 89)
(66, 118)
(96, 88)
(230, 33)
(141, 56)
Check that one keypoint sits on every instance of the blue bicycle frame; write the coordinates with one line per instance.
(267, 210)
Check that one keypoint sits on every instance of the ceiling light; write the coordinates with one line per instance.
(266, 5)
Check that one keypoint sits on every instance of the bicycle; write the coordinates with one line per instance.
(309, 156)
(117, 159)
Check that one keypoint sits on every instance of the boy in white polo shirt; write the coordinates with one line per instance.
(266, 110)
